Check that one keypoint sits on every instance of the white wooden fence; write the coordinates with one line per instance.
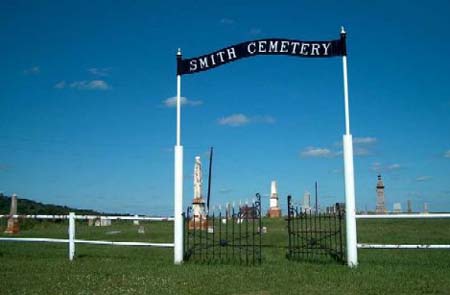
(71, 231)
(398, 216)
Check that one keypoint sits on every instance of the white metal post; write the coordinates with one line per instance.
(178, 181)
(350, 210)
(71, 235)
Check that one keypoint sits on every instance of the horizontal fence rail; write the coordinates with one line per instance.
(402, 216)
(51, 240)
(388, 246)
(162, 245)
(389, 216)
(47, 240)
(71, 230)
(87, 217)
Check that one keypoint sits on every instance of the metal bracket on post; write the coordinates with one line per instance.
(71, 235)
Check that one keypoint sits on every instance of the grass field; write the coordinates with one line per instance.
(43, 268)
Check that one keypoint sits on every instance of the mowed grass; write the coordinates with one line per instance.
(44, 268)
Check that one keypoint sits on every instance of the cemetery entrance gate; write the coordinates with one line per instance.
(295, 48)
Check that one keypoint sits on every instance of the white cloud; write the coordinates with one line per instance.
(362, 146)
(447, 154)
(83, 85)
(101, 72)
(90, 85)
(423, 178)
(376, 166)
(316, 152)
(32, 71)
(359, 151)
(172, 102)
(60, 85)
(364, 140)
(394, 166)
(234, 120)
(227, 21)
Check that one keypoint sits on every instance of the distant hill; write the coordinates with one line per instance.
(25, 206)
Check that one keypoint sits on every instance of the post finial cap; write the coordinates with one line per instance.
(179, 51)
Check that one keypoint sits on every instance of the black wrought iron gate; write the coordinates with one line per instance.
(225, 235)
(314, 235)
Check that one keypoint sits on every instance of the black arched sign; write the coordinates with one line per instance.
(289, 47)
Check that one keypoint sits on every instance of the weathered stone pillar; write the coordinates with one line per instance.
(274, 210)
(13, 223)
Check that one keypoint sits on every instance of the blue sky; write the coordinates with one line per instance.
(86, 118)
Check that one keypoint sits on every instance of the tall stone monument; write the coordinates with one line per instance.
(397, 208)
(13, 223)
(409, 206)
(307, 201)
(199, 217)
(274, 209)
(425, 208)
(381, 208)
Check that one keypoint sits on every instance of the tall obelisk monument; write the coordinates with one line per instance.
(274, 210)
(13, 223)
(381, 208)
(199, 218)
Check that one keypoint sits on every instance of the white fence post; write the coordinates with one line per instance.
(71, 235)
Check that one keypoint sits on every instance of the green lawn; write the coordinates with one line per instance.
(44, 268)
